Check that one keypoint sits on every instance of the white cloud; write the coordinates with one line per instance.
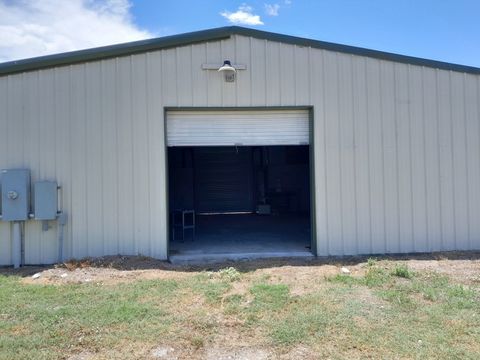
(34, 28)
(272, 9)
(288, 2)
(243, 16)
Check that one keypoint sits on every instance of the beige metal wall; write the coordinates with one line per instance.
(397, 147)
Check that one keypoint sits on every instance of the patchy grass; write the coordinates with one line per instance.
(383, 311)
(268, 297)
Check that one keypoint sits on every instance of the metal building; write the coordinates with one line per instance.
(352, 151)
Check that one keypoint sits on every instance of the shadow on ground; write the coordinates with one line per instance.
(129, 263)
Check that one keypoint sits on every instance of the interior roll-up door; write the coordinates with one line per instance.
(237, 128)
(223, 179)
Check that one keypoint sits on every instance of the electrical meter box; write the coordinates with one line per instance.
(45, 199)
(15, 194)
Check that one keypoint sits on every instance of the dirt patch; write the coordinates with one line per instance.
(464, 271)
(118, 269)
(299, 353)
(246, 353)
(301, 279)
(96, 275)
(306, 279)
(302, 275)
(84, 355)
(104, 270)
(164, 352)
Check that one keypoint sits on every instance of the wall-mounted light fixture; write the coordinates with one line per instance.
(227, 69)
(227, 66)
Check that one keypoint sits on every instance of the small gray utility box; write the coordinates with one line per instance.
(45, 200)
(15, 194)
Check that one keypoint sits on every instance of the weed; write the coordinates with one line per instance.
(229, 274)
(375, 277)
(402, 271)
(197, 342)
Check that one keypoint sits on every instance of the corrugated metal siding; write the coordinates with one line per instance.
(396, 146)
(228, 128)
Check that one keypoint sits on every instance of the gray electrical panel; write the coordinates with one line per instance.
(15, 194)
(45, 200)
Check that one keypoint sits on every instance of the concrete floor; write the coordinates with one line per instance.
(246, 236)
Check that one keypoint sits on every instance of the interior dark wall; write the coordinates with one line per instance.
(231, 179)
(180, 178)
(288, 174)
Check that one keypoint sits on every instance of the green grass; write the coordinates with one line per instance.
(51, 317)
(388, 312)
(269, 297)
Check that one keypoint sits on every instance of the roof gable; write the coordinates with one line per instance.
(135, 47)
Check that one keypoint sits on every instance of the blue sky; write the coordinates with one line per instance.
(447, 30)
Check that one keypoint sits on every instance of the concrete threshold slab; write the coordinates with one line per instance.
(205, 258)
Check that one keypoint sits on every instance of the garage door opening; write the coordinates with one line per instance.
(239, 183)
(249, 201)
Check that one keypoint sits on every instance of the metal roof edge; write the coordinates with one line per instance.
(111, 51)
(353, 50)
(214, 35)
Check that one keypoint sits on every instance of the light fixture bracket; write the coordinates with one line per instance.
(228, 69)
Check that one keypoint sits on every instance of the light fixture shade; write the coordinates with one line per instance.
(227, 66)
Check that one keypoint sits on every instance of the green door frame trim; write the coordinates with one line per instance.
(311, 148)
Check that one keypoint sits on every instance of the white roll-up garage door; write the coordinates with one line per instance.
(237, 128)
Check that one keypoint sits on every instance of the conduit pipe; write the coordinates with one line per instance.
(61, 222)
(16, 244)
